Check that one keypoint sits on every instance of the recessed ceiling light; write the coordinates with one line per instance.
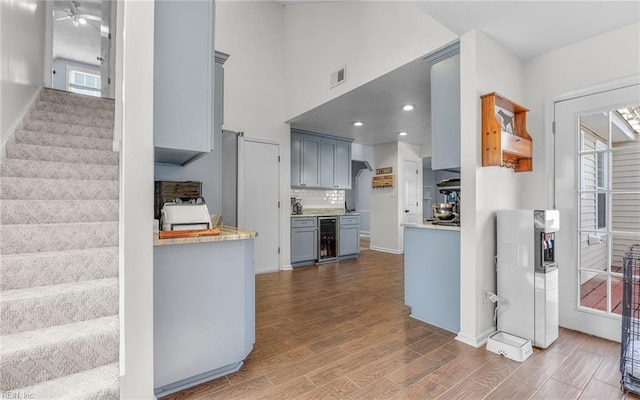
(403, 133)
(408, 107)
(82, 21)
(358, 123)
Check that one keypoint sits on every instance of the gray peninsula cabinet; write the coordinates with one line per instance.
(186, 113)
(320, 161)
(445, 108)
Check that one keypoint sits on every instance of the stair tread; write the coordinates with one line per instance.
(72, 155)
(47, 254)
(8, 296)
(52, 113)
(98, 383)
(42, 337)
(61, 140)
(55, 170)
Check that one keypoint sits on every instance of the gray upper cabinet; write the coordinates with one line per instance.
(327, 163)
(183, 80)
(320, 161)
(218, 97)
(445, 108)
(342, 178)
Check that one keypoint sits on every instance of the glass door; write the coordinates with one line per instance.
(597, 145)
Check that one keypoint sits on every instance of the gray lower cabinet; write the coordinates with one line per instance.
(304, 240)
(349, 244)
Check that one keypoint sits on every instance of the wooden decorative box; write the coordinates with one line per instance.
(383, 181)
(166, 191)
(505, 140)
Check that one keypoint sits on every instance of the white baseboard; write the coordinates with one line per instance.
(365, 234)
(287, 267)
(10, 136)
(267, 271)
(384, 250)
(476, 342)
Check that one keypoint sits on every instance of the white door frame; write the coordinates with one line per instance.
(48, 43)
(241, 143)
(604, 327)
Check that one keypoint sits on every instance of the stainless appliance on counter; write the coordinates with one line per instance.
(448, 212)
(327, 239)
(185, 215)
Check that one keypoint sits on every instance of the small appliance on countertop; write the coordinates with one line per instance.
(181, 215)
(448, 212)
(296, 206)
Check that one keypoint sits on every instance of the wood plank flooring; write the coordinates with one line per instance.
(342, 331)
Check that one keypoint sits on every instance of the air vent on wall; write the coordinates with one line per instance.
(339, 76)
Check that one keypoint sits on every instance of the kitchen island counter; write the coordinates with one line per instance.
(226, 233)
(432, 274)
(203, 308)
(431, 225)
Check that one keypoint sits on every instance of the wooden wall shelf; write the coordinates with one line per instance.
(383, 181)
(505, 141)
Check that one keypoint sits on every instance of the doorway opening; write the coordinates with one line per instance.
(80, 52)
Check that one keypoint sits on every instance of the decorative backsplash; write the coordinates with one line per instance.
(319, 198)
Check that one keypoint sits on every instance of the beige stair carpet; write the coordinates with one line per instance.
(59, 325)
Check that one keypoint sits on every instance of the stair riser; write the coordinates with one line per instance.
(86, 120)
(57, 237)
(72, 99)
(56, 268)
(57, 189)
(50, 139)
(66, 129)
(51, 212)
(61, 154)
(52, 170)
(25, 368)
(75, 110)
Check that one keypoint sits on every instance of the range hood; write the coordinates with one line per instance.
(357, 166)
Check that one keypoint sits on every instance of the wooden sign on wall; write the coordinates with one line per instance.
(384, 171)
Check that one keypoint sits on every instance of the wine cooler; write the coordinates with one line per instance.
(328, 239)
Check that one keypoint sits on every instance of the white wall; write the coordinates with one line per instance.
(60, 74)
(21, 59)
(485, 67)
(591, 62)
(384, 203)
(370, 38)
(135, 79)
(252, 34)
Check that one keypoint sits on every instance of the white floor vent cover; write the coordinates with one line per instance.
(510, 346)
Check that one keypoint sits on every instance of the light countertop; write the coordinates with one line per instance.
(431, 225)
(227, 233)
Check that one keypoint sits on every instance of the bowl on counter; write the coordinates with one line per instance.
(443, 211)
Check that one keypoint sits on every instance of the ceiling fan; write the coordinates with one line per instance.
(76, 16)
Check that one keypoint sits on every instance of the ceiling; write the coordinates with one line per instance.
(525, 28)
(79, 43)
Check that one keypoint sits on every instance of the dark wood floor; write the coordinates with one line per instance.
(341, 331)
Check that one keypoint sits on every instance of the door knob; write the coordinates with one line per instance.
(406, 211)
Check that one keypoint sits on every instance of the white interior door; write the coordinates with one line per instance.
(410, 191)
(597, 190)
(259, 199)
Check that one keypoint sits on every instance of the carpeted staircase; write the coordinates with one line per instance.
(59, 295)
